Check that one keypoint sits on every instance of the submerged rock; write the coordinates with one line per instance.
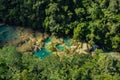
(45, 36)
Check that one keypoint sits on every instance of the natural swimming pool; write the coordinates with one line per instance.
(43, 52)
(60, 47)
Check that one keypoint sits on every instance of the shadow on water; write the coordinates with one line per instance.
(7, 33)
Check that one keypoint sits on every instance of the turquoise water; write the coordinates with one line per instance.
(42, 53)
(67, 41)
(3, 28)
(60, 47)
(48, 40)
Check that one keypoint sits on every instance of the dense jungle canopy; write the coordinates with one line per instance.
(17, 66)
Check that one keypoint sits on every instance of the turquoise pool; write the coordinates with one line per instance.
(42, 53)
(60, 47)
(48, 40)
(67, 42)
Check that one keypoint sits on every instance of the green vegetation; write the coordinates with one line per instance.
(83, 22)
(93, 21)
(17, 66)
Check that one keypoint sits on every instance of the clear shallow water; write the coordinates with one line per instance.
(60, 47)
(67, 41)
(42, 53)
(48, 40)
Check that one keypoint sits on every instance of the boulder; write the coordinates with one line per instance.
(86, 47)
(45, 36)
(25, 47)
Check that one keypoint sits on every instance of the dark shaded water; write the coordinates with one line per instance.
(7, 34)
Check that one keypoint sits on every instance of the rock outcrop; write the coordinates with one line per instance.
(27, 42)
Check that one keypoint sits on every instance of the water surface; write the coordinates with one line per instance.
(42, 53)
(60, 47)
(7, 33)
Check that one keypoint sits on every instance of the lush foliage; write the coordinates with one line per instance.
(17, 66)
(93, 21)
